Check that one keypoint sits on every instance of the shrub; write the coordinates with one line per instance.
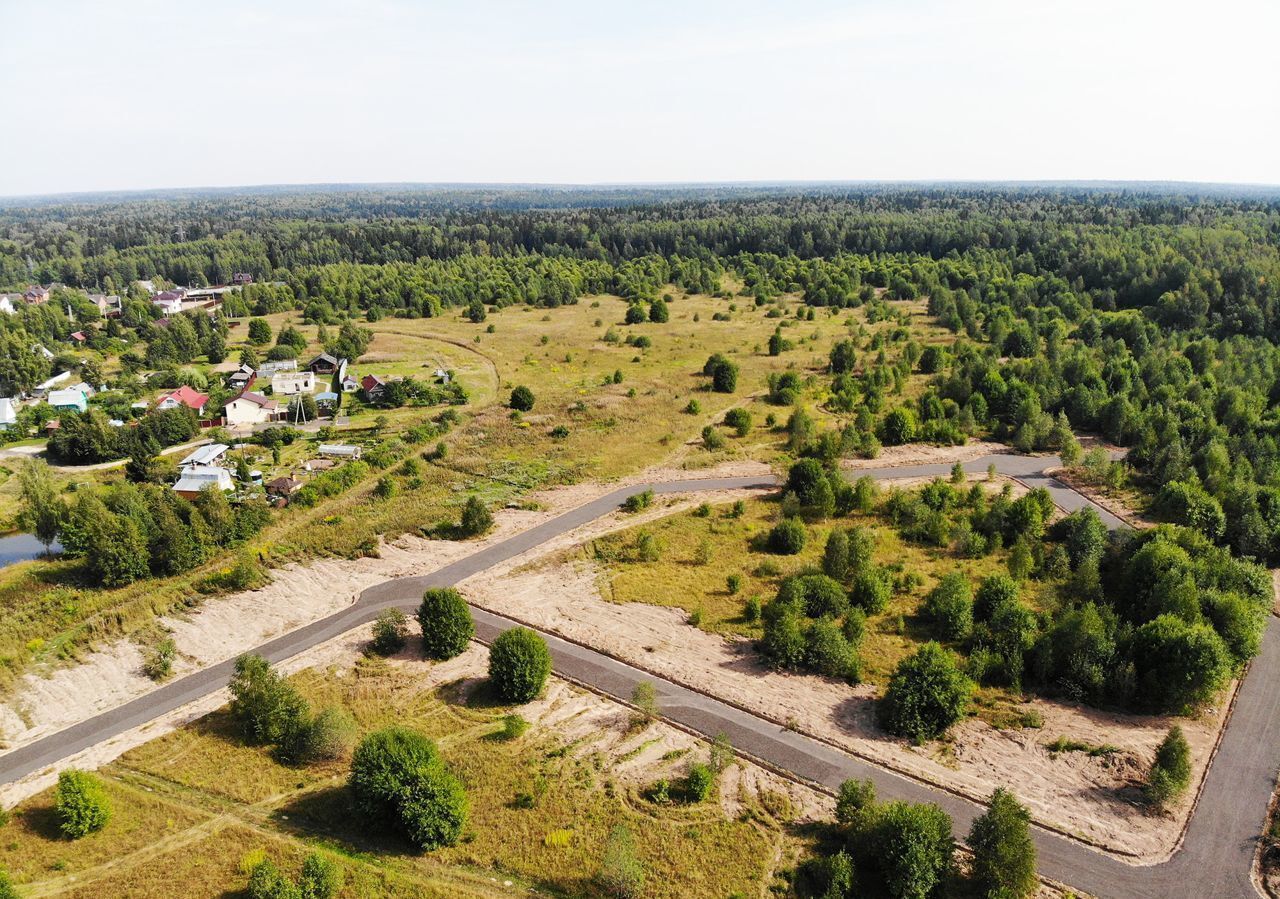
(993, 592)
(519, 663)
(828, 652)
(1170, 773)
(733, 584)
(909, 847)
(513, 727)
(321, 877)
(698, 782)
(1004, 856)
(835, 555)
(871, 589)
(325, 737)
(751, 610)
(267, 882)
(159, 662)
(638, 502)
(268, 709)
(399, 780)
(783, 643)
(787, 537)
(712, 439)
(739, 420)
(476, 518)
(723, 374)
(390, 632)
(899, 427)
(446, 623)
(81, 804)
(645, 698)
(1178, 665)
(621, 872)
(522, 399)
(926, 695)
(949, 607)
(6, 886)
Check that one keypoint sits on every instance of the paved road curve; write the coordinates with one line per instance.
(1216, 857)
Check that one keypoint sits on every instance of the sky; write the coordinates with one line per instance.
(134, 94)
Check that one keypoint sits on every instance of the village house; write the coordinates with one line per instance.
(283, 486)
(287, 383)
(79, 336)
(200, 477)
(69, 399)
(8, 412)
(242, 378)
(324, 364)
(44, 387)
(372, 386)
(169, 301)
(270, 369)
(6, 302)
(240, 279)
(183, 396)
(251, 409)
(36, 295)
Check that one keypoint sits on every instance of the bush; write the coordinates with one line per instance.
(446, 623)
(6, 886)
(1004, 856)
(1170, 773)
(698, 782)
(783, 643)
(949, 607)
(835, 555)
(638, 502)
(390, 632)
(739, 420)
(926, 695)
(522, 399)
(871, 589)
(321, 877)
(399, 780)
(899, 427)
(724, 376)
(828, 652)
(993, 592)
(513, 727)
(909, 848)
(476, 518)
(159, 662)
(519, 663)
(81, 804)
(1178, 665)
(325, 737)
(621, 872)
(268, 709)
(787, 537)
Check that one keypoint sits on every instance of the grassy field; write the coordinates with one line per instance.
(189, 807)
(584, 425)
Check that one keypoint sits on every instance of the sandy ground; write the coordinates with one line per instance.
(1094, 798)
(48, 700)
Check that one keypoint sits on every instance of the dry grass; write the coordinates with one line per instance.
(190, 805)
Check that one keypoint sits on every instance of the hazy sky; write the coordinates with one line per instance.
(113, 94)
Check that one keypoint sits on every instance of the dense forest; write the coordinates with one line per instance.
(1149, 316)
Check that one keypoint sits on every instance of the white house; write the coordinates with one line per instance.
(198, 477)
(251, 409)
(288, 383)
(6, 302)
(69, 399)
(8, 412)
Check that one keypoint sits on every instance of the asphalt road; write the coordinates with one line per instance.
(1215, 859)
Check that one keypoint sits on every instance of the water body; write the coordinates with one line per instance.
(21, 547)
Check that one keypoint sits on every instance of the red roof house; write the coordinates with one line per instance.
(183, 396)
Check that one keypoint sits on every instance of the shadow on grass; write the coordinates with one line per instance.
(474, 693)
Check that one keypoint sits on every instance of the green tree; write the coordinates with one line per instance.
(899, 427)
(398, 779)
(909, 847)
(926, 695)
(259, 331)
(949, 607)
(268, 708)
(446, 623)
(835, 555)
(1170, 773)
(43, 511)
(80, 803)
(1178, 665)
(519, 664)
(1004, 855)
(476, 518)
